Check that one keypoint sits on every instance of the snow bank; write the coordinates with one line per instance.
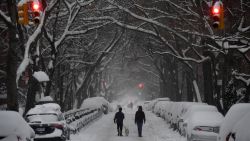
(12, 123)
(235, 113)
(41, 76)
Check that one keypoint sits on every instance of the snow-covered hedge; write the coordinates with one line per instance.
(81, 120)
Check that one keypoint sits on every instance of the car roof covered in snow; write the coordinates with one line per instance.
(207, 118)
(45, 108)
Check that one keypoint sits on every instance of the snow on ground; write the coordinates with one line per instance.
(104, 129)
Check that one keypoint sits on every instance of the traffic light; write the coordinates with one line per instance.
(36, 10)
(140, 85)
(23, 16)
(218, 15)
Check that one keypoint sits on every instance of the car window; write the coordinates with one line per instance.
(43, 118)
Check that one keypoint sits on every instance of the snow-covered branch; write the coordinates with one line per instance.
(5, 18)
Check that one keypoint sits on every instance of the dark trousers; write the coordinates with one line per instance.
(119, 128)
(139, 126)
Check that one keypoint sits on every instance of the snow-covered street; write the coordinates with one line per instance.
(104, 129)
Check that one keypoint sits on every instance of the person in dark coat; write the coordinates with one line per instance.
(119, 117)
(139, 119)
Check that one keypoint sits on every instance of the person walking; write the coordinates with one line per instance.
(119, 117)
(139, 119)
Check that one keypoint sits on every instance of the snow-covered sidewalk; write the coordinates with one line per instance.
(104, 129)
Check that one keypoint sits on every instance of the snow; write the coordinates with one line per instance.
(241, 129)
(104, 129)
(22, 68)
(5, 16)
(12, 123)
(45, 108)
(195, 108)
(21, 2)
(204, 118)
(94, 102)
(49, 117)
(235, 113)
(50, 65)
(197, 92)
(41, 76)
(46, 98)
(10, 138)
(55, 133)
(25, 61)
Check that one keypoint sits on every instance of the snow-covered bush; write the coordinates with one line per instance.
(95, 103)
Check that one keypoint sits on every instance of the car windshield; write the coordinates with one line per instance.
(42, 118)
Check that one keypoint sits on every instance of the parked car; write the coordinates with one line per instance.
(155, 101)
(183, 108)
(203, 126)
(191, 110)
(234, 119)
(48, 122)
(146, 104)
(240, 131)
(14, 128)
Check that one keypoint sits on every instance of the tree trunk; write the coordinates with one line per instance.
(12, 102)
(208, 83)
(190, 92)
(31, 94)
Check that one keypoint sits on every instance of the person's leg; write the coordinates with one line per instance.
(118, 129)
(121, 126)
(139, 125)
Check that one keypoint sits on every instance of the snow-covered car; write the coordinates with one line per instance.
(146, 104)
(203, 126)
(48, 122)
(232, 122)
(158, 107)
(191, 110)
(181, 111)
(241, 130)
(14, 128)
(154, 102)
(44, 100)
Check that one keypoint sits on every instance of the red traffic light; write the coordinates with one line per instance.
(36, 6)
(216, 10)
(140, 85)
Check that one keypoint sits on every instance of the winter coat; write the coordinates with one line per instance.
(119, 116)
(140, 117)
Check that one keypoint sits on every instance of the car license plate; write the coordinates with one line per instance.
(40, 129)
